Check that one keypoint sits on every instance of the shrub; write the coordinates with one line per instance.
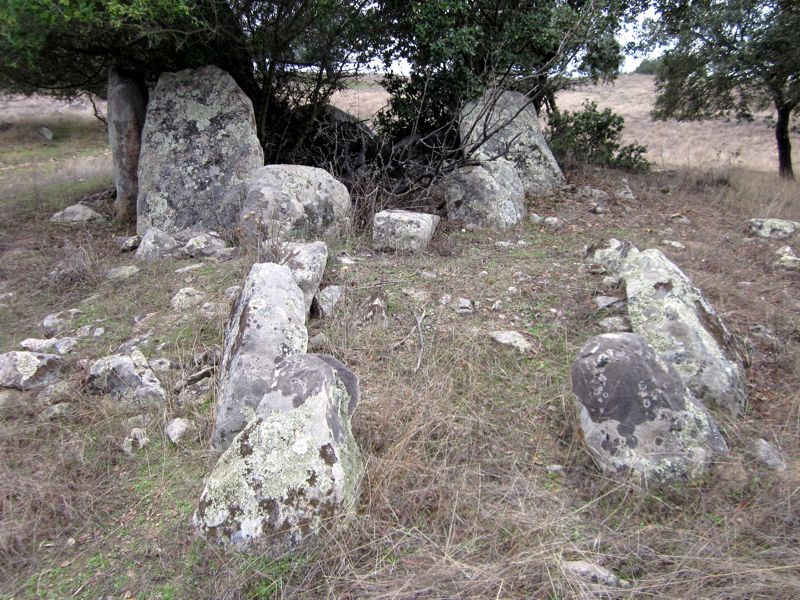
(648, 66)
(592, 136)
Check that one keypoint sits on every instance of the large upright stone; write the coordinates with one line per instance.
(637, 417)
(126, 114)
(295, 202)
(199, 142)
(506, 125)
(674, 317)
(487, 195)
(267, 324)
(293, 468)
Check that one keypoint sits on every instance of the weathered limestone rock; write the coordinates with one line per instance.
(674, 317)
(267, 323)
(28, 370)
(207, 245)
(127, 378)
(60, 321)
(637, 416)
(135, 440)
(487, 195)
(177, 428)
(768, 455)
(403, 230)
(199, 142)
(307, 262)
(186, 299)
(77, 213)
(126, 114)
(586, 192)
(123, 272)
(295, 202)
(611, 255)
(591, 573)
(514, 339)
(510, 125)
(776, 229)
(295, 465)
(326, 300)
(155, 244)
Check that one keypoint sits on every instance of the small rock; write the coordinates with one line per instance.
(445, 299)
(345, 259)
(591, 573)
(98, 332)
(232, 292)
(38, 345)
(135, 440)
(553, 223)
(497, 305)
(45, 133)
(83, 332)
(768, 455)
(195, 394)
(428, 275)
(65, 345)
(598, 209)
(606, 302)
(189, 268)
(776, 229)
(535, 218)
(77, 213)
(60, 321)
(610, 282)
(615, 324)
(402, 230)
(512, 338)
(186, 299)
(176, 429)
(161, 365)
(421, 296)
(155, 244)
(555, 469)
(464, 306)
(679, 219)
(674, 244)
(60, 391)
(128, 243)
(625, 193)
(503, 245)
(326, 300)
(123, 272)
(127, 378)
(205, 244)
(57, 411)
(9, 398)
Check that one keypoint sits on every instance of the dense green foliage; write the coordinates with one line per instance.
(457, 48)
(648, 66)
(592, 136)
(729, 58)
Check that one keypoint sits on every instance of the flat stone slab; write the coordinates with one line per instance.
(403, 230)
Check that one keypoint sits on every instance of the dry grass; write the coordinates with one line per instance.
(457, 500)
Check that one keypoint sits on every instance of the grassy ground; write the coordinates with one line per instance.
(458, 434)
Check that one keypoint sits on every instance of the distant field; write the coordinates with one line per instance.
(672, 144)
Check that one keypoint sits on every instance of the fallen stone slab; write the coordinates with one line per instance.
(403, 230)
(776, 229)
(294, 467)
(514, 339)
(637, 417)
(267, 323)
(77, 213)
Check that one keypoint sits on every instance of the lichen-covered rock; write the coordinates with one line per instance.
(403, 230)
(177, 428)
(767, 454)
(126, 114)
(186, 299)
(611, 255)
(295, 465)
(674, 317)
(28, 370)
(127, 378)
(155, 244)
(198, 143)
(207, 245)
(776, 229)
(267, 323)
(513, 339)
(637, 417)
(326, 300)
(487, 195)
(122, 272)
(294, 202)
(307, 262)
(77, 213)
(506, 125)
(60, 321)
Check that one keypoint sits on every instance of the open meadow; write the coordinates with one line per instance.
(476, 483)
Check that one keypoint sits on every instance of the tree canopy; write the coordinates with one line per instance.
(729, 58)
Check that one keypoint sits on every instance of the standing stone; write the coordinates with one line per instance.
(403, 230)
(199, 142)
(487, 195)
(637, 416)
(674, 317)
(506, 125)
(295, 202)
(293, 468)
(267, 323)
(126, 113)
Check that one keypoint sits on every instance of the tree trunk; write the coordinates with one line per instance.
(784, 143)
